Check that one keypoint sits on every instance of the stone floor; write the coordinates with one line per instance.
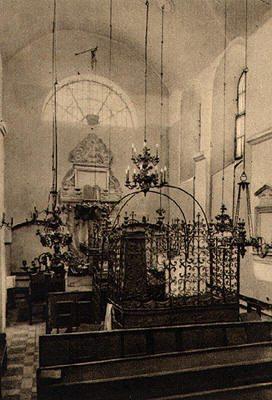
(19, 381)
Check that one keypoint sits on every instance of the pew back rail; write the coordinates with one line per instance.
(156, 384)
(101, 345)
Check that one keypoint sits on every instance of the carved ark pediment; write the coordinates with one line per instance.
(90, 177)
(91, 151)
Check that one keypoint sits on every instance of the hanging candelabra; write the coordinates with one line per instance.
(145, 174)
(55, 234)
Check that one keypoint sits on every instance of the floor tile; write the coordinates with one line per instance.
(19, 381)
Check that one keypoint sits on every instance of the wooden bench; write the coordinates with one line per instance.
(101, 345)
(258, 391)
(81, 381)
(168, 361)
(68, 310)
(40, 284)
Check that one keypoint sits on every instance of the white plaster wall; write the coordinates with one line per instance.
(208, 173)
(258, 157)
(19, 250)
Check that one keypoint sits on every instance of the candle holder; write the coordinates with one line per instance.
(146, 175)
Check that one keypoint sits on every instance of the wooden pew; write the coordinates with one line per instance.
(166, 362)
(100, 345)
(80, 381)
(258, 391)
(163, 362)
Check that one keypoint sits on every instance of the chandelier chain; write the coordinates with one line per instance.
(245, 70)
(54, 127)
(224, 104)
(146, 67)
(162, 75)
(110, 77)
(145, 174)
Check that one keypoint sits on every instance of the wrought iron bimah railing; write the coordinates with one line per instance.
(175, 264)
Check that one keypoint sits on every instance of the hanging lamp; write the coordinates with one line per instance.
(224, 224)
(258, 243)
(145, 175)
(243, 185)
(55, 234)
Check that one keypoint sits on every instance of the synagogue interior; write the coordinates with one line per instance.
(135, 199)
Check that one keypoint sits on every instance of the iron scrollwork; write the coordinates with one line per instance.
(184, 263)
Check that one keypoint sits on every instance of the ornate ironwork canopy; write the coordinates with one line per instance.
(155, 264)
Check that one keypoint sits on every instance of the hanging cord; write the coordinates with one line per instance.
(94, 66)
(162, 74)
(199, 126)
(194, 192)
(146, 71)
(249, 216)
(245, 70)
(199, 148)
(224, 106)
(95, 80)
(110, 76)
(244, 183)
(54, 127)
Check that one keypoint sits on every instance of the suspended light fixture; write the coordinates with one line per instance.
(224, 223)
(257, 243)
(55, 234)
(145, 174)
(243, 185)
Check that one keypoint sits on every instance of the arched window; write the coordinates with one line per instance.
(240, 117)
(80, 98)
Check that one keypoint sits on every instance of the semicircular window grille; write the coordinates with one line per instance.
(78, 101)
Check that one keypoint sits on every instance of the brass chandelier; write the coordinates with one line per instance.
(145, 175)
(55, 234)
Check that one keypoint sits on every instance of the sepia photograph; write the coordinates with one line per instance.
(136, 199)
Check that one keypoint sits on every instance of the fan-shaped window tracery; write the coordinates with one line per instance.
(80, 99)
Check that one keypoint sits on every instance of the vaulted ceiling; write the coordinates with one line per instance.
(194, 31)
